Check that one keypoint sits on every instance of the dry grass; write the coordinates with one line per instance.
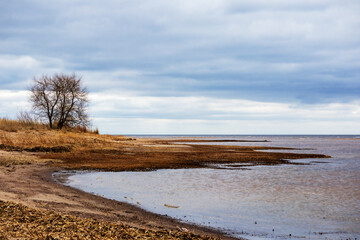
(20, 222)
(139, 157)
(17, 135)
(25, 122)
(10, 125)
(89, 150)
(39, 138)
(8, 159)
(79, 149)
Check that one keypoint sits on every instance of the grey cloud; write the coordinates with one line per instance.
(279, 51)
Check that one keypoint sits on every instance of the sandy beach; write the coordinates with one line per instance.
(33, 186)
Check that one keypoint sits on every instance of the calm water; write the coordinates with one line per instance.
(316, 201)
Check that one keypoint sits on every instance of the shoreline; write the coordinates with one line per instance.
(34, 186)
(27, 179)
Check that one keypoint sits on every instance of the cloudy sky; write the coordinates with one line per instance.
(192, 67)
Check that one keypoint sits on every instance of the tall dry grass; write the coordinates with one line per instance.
(48, 138)
(26, 121)
(25, 133)
(10, 125)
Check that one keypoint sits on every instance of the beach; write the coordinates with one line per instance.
(33, 186)
(180, 120)
(27, 176)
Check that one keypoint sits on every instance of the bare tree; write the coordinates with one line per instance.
(45, 97)
(61, 100)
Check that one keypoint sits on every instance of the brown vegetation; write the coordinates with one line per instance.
(17, 135)
(33, 150)
(137, 157)
(11, 159)
(9, 125)
(18, 221)
(28, 123)
(83, 150)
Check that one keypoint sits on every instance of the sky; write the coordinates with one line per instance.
(191, 67)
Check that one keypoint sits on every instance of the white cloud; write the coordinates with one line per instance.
(205, 108)
(12, 102)
(232, 127)
(18, 62)
(199, 115)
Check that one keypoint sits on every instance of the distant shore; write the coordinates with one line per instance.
(26, 178)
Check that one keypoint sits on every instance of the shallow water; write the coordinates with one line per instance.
(316, 201)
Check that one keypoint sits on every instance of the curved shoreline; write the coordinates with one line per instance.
(26, 177)
(33, 186)
(156, 221)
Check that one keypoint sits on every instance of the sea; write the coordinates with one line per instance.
(317, 200)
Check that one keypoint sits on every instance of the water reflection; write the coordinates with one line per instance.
(317, 201)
